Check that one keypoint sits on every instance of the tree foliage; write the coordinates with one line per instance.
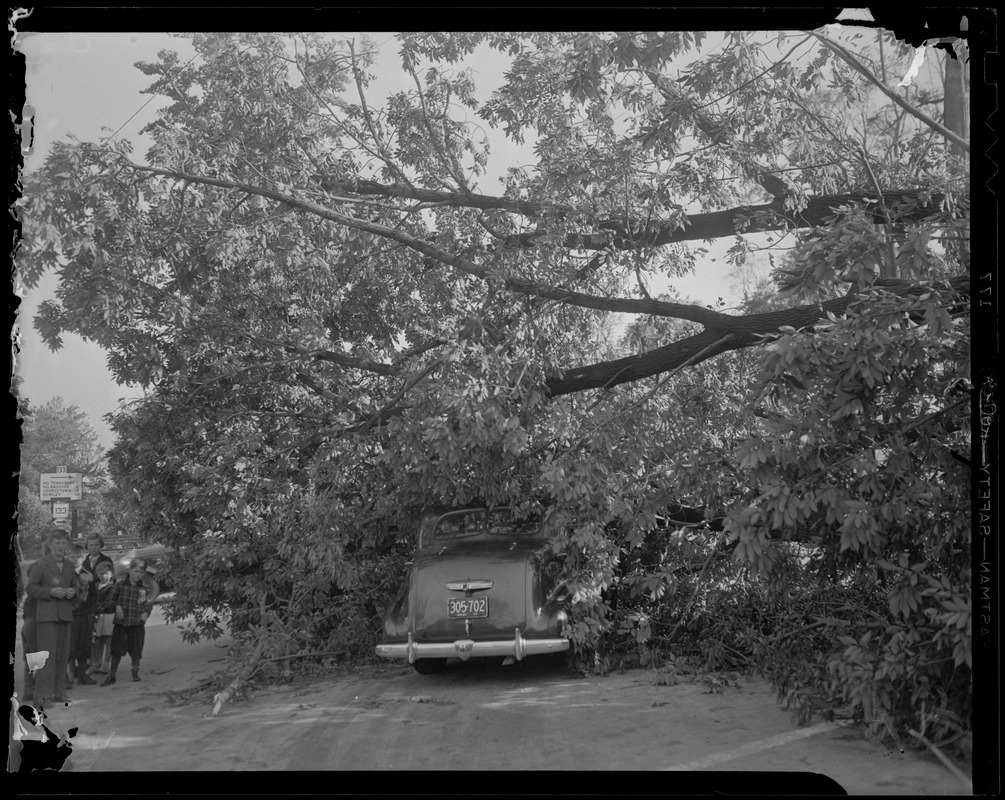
(341, 323)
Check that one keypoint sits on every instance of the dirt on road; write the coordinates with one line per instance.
(476, 716)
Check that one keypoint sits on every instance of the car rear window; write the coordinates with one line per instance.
(462, 524)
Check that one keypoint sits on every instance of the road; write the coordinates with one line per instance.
(475, 716)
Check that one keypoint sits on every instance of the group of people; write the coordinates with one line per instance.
(86, 620)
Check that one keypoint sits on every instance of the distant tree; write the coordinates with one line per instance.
(57, 435)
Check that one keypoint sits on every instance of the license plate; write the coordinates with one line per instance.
(466, 607)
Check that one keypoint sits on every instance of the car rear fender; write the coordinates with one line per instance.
(396, 617)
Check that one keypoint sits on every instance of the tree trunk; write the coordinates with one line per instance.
(957, 95)
(956, 111)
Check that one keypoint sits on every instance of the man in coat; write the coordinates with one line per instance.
(52, 584)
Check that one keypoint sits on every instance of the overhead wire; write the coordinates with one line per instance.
(148, 102)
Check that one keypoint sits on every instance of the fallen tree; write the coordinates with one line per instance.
(337, 324)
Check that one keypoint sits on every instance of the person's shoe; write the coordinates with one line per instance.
(136, 676)
(108, 681)
(86, 680)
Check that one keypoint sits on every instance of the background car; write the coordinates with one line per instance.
(156, 557)
(481, 584)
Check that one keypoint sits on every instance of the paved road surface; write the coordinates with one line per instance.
(476, 716)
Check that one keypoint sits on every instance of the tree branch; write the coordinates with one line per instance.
(712, 225)
(481, 202)
(855, 64)
(718, 131)
(520, 285)
(772, 216)
(384, 155)
(341, 359)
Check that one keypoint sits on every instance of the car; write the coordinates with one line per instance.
(156, 557)
(482, 583)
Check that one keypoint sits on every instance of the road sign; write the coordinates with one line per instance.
(61, 510)
(60, 486)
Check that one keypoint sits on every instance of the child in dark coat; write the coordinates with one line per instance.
(82, 625)
(134, 597)
(104, 618)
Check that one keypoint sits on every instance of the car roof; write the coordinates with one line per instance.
(143, 552)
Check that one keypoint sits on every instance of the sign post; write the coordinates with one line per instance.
(60, 486)
(62, 489)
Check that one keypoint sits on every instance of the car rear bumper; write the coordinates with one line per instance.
(517, 647)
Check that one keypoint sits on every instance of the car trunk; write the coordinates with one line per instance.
(504, 564)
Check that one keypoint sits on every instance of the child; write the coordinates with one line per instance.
(133, 598)
(82, 625)
(93, 544)
(104, 618)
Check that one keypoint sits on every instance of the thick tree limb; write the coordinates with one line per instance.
(693, 313)
(608, 374)
(711, 225)
(720, 322)
(771, 216)
(747, 331)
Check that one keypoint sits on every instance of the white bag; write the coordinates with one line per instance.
(103, 624)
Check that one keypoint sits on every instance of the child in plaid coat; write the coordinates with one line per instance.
(133, 597)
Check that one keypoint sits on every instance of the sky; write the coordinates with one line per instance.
(79, 83)
(85, 84)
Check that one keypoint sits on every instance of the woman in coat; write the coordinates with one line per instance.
(93, 544)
